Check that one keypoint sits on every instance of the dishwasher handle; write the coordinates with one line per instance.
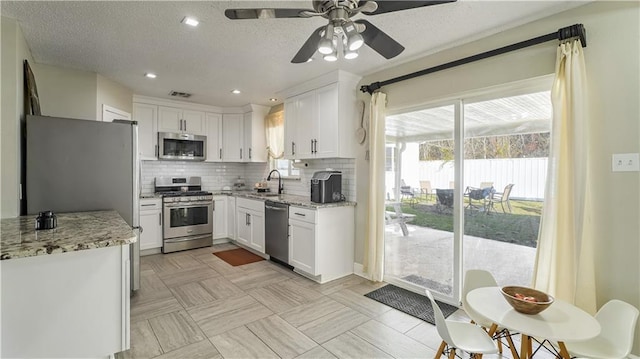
(275, 208)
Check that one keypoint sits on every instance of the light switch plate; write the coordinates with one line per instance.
(625, 162)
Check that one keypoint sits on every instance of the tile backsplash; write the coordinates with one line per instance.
(217, 175)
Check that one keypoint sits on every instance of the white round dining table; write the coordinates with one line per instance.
(560, 322)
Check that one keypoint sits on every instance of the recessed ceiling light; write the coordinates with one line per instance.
(273, 99)
(236, 91)
(190, 21)
(150, 75)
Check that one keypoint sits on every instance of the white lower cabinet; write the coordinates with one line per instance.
(321, 241)
(150, 223)
(219, 217)
(231, 218)
(250, 223)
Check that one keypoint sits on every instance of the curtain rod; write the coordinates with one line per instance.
(568, 32)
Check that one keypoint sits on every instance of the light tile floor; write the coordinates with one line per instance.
(194, 305)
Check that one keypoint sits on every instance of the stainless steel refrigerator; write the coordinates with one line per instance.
(80, 165)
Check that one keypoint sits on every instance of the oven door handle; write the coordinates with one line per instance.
(188, 204)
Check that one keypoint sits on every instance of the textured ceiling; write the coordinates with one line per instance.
(122, 40)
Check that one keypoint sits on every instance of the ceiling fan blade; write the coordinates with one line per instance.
(309, 48)
(242, 14)
(379, 41)
(385, 6)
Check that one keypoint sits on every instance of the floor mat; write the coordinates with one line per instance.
(409, 302)
(428, 283)
(237, 257)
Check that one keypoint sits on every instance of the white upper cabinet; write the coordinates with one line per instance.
(172, 119)
(290, 112)
(214, 137)
(233, 139)
(147, 118)
(238, 136)
(255, 141)
(321, 118)
(304, 124)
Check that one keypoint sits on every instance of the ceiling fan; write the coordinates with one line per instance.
(341, 31)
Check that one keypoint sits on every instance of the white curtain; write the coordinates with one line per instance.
(274, 125)
(374, 244)
(564, 264)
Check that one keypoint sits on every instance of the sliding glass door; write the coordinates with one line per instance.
(420, 239)
(465, 185)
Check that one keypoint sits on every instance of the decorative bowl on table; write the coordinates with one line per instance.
(526, 300)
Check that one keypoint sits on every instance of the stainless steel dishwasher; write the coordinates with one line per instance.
(276, 231)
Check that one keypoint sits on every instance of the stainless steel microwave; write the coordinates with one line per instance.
(181, 147)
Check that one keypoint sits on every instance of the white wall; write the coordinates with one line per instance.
(112, 94)
(14, 52)
(612, 59)
(65, 92)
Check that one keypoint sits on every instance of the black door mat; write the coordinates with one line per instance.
(409, 302)
(428, 283)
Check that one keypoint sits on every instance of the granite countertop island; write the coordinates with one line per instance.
(75, 231)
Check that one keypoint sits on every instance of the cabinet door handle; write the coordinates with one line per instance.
(249, 219)
(221, 153)
(147, 205)
(241, 153)
(249, 153)
(315, 146)
(311, 146)
(160, 218)
(300, 214)
(185, 125)
(180, 125)
(293, 148)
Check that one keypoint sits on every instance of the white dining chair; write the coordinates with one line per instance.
(478, 278)
(617, 325)
(458, 335)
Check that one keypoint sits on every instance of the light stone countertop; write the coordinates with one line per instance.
(75, 231)
(289, 199)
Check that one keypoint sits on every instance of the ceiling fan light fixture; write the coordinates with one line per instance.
(325, 46)
(354, 39)
(355, 42)
(331, 57)
(349, 55)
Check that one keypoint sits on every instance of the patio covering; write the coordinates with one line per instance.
(528, 113)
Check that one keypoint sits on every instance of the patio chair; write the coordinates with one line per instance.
(502, 198)
(406, 192)
(481, 196)
(425, 189)
(486, 184)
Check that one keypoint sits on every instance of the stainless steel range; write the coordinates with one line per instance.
(187, 213)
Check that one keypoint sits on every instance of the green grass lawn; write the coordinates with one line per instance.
(520, 226)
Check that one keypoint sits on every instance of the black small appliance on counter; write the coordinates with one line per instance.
(326, 187)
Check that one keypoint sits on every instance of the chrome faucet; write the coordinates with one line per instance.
(280, 188)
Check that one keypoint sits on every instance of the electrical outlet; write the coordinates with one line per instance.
(625, 162)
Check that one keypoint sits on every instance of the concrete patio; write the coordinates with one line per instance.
(425, 257)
